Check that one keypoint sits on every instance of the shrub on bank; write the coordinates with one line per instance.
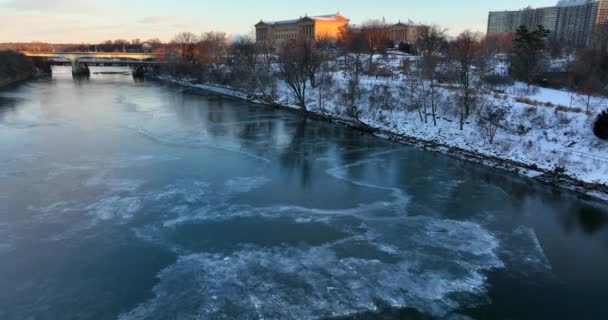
(600, 128)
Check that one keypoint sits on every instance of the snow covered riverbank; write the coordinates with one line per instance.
(540, 137)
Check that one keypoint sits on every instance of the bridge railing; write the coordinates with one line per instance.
(84, 55)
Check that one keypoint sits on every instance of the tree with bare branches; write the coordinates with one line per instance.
(354, 45)
(325, 76)
(491, 118)
(413, 96)
(294, 62)
(212, 47)
(184, 45)
(466, 52)
(243, 62)
(212, 50)
(375, 33)
(500, 42)
(431, 43)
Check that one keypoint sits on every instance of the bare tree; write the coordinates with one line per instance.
(414, 97)
(184, 44)
(212, 50)
(294, 67)
(491, 118)
(326, 81)
(212, 47)
(381, 99)
(315, 54)
(465, 52)
(430, 43)
(375, 33)
(355, 46)
(586, 74)
(500, 42)
(324, 73)
(267, 58)
(243, 62)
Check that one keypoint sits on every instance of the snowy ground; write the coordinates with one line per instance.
(547, 128)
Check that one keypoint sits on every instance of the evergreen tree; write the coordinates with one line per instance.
(600, 127)
(526, 56)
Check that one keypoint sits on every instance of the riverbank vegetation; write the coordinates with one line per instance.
(15, 67)
(512, 97)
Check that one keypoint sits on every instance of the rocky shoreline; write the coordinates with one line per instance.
(554, 178)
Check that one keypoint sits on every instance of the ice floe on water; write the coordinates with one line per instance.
(113, 185)
(432, 275)
(245, 184)
(123, 202)
(115, 207)
(190, 192)
(523, 252)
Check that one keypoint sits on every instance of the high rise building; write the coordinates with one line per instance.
(571, 22)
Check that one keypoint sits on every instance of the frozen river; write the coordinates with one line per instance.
(125, 200)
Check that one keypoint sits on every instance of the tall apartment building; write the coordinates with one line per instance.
(308, 27)
(571, 22)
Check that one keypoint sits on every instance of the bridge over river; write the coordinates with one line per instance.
(100, 58)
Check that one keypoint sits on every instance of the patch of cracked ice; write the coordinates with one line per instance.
(245, 184)
(114, 207)
(429, 273)
(113, 185)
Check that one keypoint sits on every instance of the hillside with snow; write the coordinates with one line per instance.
(543, 131)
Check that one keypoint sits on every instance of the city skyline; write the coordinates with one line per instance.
(55, 20)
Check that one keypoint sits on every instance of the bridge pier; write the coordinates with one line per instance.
(80, 68)
(138, 71)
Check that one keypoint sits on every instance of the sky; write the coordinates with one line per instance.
(91, 21)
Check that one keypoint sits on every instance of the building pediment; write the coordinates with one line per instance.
(341, 17)
(306, 19)
(261, 24)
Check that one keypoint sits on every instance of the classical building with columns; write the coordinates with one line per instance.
(403, 33)
(397, 34)
(308, 27)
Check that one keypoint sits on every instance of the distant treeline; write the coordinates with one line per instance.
(16, 67)
(118, 45)
(34, 46)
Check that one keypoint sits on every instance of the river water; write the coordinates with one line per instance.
(130, 200)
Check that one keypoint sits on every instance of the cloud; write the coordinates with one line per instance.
(158, 19)
(57, 6)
